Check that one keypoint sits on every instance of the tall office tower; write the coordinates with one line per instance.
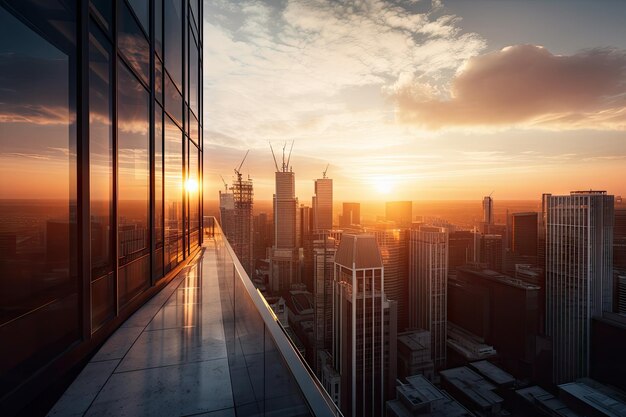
(284, 259)
(305, 241)
(500, 310)
(108, 201)
(579, 264)
(491, 251)
(394, 246)
(323, 266)
(619, 235)
(488, 210)
(236, 216)
(524, 239)
(351, 214)
(323, 204)
(400, 212)
(463, 248)
(428, 280)
(364, 328)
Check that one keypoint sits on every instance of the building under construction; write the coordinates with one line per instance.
(236, 217)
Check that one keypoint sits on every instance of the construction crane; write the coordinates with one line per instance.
(240, 165)
(325, 171)
(225, 185)
(285, 163)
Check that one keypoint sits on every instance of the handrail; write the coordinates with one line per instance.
(317, 398)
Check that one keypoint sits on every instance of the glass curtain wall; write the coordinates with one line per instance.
(100, 168)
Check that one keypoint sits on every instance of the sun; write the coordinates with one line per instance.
(191, 185)
(383, 185)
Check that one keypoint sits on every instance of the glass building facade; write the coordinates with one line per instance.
(100, 173)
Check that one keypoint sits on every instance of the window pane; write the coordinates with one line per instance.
(158, 80)
(133, 178)
(193, 128)
(193, 76)
(158, 27)
(173, 194)
(39, 306)
(134, 44)
(174, 40)
(158, 191)
(142, 10)
(173, 101)
(101, 178)
(104, 10)
(193, 192)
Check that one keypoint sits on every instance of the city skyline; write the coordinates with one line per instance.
(385, 85)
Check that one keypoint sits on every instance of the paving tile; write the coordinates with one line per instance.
(178, 390)
(77, 398)
(186, 315)
(118, 344)
(175, 346)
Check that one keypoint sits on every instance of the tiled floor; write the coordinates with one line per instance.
(168, 359)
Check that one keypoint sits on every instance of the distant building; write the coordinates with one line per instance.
(323, 266)
(364, 328)
(472, 390)
(414, 354)
(538, 402)
(488, 210)
(393, 244)
(466, 347)
(351, 214)
(502, 310)
(284, 257)
(419, 397)
(428, 280)
(619, 235)
(323, 204)
(579, 275)
(262, 240)
(525, 234)
(589, 398)
(463, 248)
(492, 251)
(239, 232)
(400, 212)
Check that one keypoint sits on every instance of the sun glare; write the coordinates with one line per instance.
(191, 185)
(383, 185)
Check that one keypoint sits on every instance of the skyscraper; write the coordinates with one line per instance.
(351, 214)
(394, 245)
(487, 210)
(525, 234)
(323, 266)
(400, 212)
(323, 204)
(236, 219)
(428, 276)
(364, 328)
(491, 251)
(579, 263)
(284, 262)
(108, 204)
(463, 248)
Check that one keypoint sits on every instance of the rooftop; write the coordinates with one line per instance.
(188, 351)
(595, 398)
(473, 386)
(359, 251)
(493, 373)
(543, 400)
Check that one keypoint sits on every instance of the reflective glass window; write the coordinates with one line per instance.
(39, 303)
(173, 182)
(174, 40)
(104, 10)
(133, 181)
(173, 101)
(142, 11)
(158, 79)
(158, 191)
(101, 176)
(193, 75)
(193, 193)
(158, 27)
(133, 44)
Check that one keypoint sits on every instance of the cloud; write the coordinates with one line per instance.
(524, 85)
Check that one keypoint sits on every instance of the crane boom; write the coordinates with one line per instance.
(240, 165)
(274, 156)
(325, 171)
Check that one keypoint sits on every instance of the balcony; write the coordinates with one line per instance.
(208, 344)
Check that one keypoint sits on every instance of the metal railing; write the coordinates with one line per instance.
(261, 355)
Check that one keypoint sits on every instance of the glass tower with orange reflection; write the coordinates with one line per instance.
(100, 173)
